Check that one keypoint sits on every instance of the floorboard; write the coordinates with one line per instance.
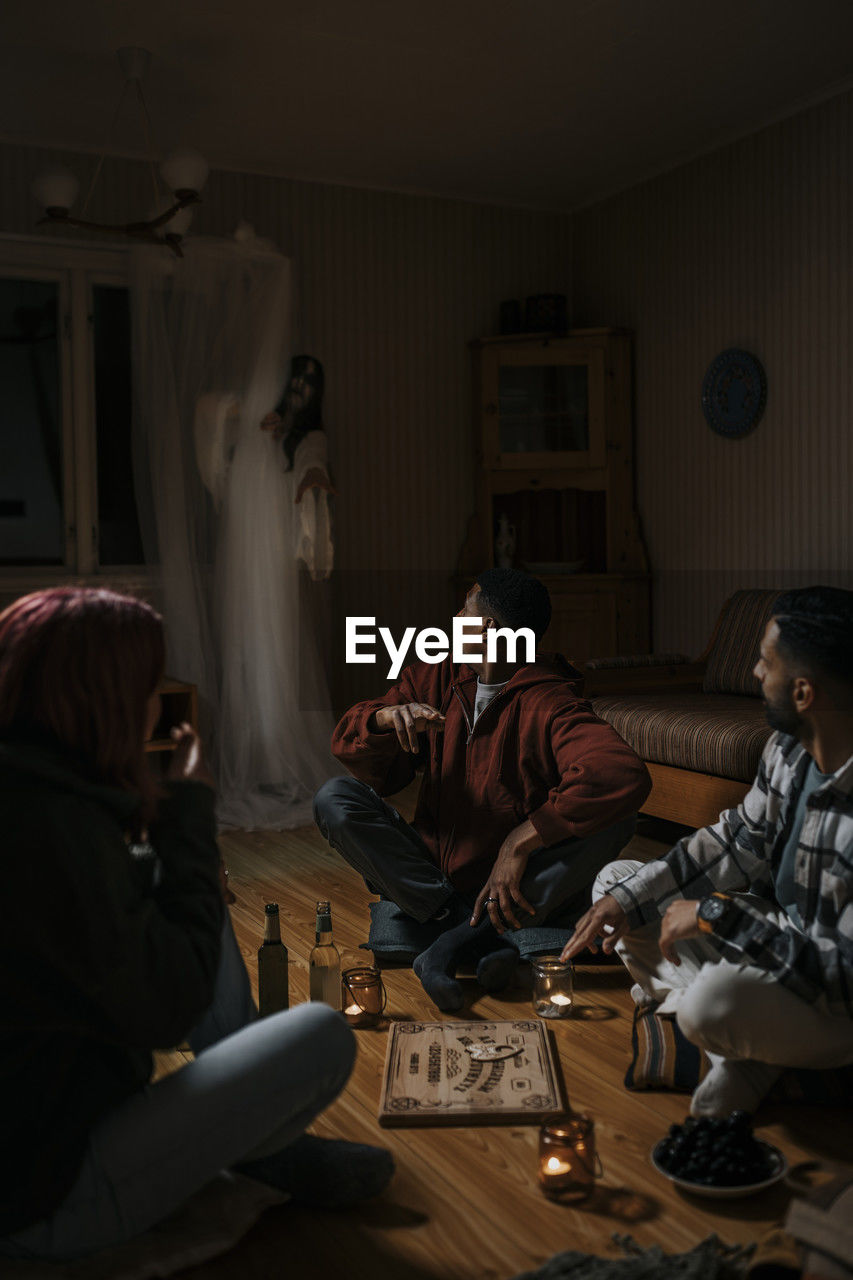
(464, 1204)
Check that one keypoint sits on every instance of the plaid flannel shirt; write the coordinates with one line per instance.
(741, 853)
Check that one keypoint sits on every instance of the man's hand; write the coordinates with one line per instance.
(679, 923)
(605, 912)
(501, 894)
(187, 763)
(315, 478)
(408, 719)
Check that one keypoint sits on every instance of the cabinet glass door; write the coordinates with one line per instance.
(543, 408)
(543, 405)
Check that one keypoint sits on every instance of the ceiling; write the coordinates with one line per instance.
(540, 103)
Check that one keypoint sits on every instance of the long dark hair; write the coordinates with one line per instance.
(78, 665)
(310, 417)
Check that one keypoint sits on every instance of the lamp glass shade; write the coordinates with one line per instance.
(185, 170)
(56, 188)
(179, 225)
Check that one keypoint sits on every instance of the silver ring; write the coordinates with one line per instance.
(492, 899)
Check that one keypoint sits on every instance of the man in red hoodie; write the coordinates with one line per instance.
(525, 793)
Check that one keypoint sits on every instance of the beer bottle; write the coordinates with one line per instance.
(324, 962)
(273, 993)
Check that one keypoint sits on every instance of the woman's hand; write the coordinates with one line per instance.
(187, 763)
(271, 421)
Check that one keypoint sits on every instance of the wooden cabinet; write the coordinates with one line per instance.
(554, 461)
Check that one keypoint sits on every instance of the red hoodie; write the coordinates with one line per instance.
(537, 751)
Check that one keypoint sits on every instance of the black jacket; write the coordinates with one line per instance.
(102, 958)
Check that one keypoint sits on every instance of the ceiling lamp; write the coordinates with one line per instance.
(176, 182)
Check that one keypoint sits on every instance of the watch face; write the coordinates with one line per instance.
(711, 909)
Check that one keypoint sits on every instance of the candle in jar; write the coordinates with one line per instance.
(555, 1167)
(353, 1010)
(560, 1000)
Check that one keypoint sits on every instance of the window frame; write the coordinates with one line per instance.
(77, 267)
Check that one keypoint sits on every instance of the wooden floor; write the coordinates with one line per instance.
(464, 1202)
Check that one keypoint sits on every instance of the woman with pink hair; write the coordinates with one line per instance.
(114, 942)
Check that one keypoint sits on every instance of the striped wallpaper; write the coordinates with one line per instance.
(749, 246)
(389, 290)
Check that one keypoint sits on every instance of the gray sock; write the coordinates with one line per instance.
(496, 970)
(436, 967)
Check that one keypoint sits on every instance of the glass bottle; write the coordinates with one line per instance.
(324, 962)
(273, 989)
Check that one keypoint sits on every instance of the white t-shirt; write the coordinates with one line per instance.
(485, 693)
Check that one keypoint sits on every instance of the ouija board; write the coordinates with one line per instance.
(469, 1073)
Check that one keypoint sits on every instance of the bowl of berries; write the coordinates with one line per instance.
(718, 1157)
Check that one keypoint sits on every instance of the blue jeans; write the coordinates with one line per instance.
(394, 861)
(254, 1087)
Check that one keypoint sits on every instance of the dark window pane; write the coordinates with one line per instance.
(31, 489)
(544, 408)
(118, 524)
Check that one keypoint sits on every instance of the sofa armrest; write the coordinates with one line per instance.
(642, 673)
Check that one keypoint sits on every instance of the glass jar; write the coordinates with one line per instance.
(552, 986)
(568, 1165)
(364, 996)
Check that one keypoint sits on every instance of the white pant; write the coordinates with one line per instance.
(733, 1011)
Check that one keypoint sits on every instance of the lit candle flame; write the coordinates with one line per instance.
(560, 999)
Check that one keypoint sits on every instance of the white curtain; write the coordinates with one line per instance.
(211, 352)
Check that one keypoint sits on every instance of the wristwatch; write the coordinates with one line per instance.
(711, 910)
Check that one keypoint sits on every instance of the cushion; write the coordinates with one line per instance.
(396, 938)
(718, 734)
(663, 1058)
(735, 649)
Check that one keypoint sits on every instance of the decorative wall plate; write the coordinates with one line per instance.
(734, 393)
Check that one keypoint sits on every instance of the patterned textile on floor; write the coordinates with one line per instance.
(663, 1058)
(710, 1260)
(735, 650)
(209, 1224)
(720, 734)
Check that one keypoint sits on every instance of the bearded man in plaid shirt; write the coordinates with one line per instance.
(744, 931)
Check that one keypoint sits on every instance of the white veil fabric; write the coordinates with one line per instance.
(211, 350)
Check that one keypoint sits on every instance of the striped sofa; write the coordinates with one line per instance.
(699, 726)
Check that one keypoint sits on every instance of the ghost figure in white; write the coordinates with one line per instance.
(296, 428)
